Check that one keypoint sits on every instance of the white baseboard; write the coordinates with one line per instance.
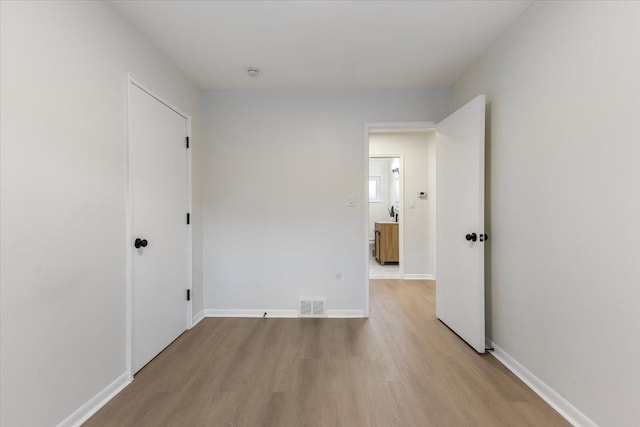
(337, 314)
(549, 395)
(197, 318)
(216, 312)
(382, 277)
(345, 314)
(419, 277)
(92, 406)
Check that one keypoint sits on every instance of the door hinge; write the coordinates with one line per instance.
(188, 294)
(187, 142)
(188, 218)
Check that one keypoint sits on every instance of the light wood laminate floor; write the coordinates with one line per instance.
(400, 367)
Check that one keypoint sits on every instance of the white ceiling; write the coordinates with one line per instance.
(323, 44)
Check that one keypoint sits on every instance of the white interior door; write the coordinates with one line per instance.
(159, 203)
(460, 222)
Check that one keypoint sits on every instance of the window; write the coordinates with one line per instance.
(374, 189)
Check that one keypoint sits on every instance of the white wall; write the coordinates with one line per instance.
(264, 248)
(419, 213)
(563, 86)
(394, 184)
(63, 100)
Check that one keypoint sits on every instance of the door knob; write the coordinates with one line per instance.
(471, 237)
(140, 243)
(484, 237)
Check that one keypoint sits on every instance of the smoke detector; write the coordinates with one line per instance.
(253, 72)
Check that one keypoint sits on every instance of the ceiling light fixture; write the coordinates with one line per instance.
(253, 72)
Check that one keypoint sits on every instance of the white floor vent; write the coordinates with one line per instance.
(312, 307)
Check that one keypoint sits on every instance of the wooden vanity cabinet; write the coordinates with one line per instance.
(387, 242)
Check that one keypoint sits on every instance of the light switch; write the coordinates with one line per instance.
(351, 200)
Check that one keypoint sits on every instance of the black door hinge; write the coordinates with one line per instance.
(187, 142)
(188, 294)
(188, 218)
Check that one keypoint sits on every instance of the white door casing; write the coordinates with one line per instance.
(460, 212)
(158, 203)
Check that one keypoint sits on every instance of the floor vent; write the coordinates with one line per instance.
(312, 307)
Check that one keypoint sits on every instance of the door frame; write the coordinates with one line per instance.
(401, 221)
(134, 81)
(391, 127)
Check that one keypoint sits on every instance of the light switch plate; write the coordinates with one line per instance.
(351, 200)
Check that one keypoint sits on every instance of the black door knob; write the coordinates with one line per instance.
(484, 237)
(140, 243)
(471, 237)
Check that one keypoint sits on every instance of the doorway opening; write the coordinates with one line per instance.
(385, 229)
(400, 175)
(460, 233)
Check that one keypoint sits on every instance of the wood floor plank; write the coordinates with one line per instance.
(400, 367)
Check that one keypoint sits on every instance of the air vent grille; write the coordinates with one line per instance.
(312, 307)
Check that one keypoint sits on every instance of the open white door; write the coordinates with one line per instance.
(460, 222)
(159, 203)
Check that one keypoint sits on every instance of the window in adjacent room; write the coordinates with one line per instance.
(374, 189)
